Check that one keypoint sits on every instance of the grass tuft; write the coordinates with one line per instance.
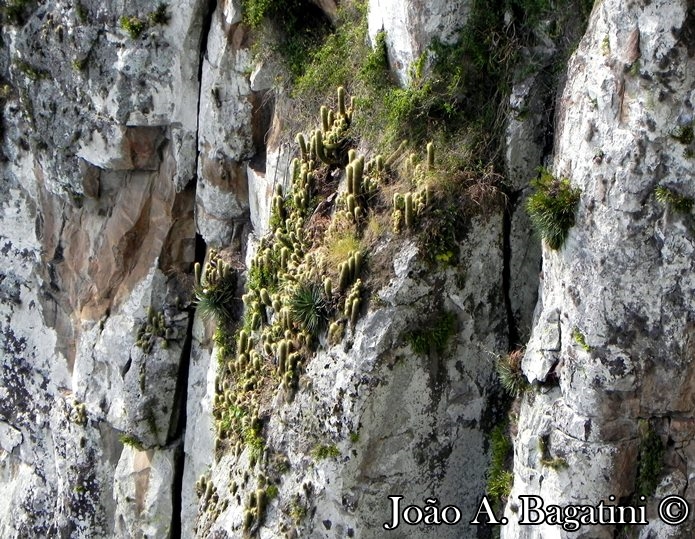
(552, 208)
(511, 376)
(499, 477)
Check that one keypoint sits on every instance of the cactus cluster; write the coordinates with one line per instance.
(211, 504)
(336, 331)
(353, 302)
(152, 329)
(293, 294)
(78, 414)
(363, 181)
(349, 270)
(215, 288)
(328, 143)
(408, 206)
(256, 503)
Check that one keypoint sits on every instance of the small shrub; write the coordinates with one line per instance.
(375, 70)
(580, 339)
(299, 24)
(160, 15)
(552, 208)
(437, 236)
(133, 25)
(321, 452)
(256, 10)
(511, 376)
(669, 197)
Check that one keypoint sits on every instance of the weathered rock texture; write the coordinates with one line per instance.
(402, 423)
(99, 147)
(624, 279)
(123, 155)
(410, 26)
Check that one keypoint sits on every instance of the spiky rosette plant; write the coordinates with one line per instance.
(511, 376)
(309, 307)
(552, 208)
(215, 289)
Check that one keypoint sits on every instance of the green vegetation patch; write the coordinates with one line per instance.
(434, 334)
(499, 475)
(297, 27)
(552, 208)
(135, 26)
(309, 307)
(580, 339)
(669, 197)
(132, 441)
(510, 374)
(651, 460)
(321, 452)
(215, 289)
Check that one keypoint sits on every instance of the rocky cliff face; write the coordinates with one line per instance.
(137, 137)
(612, 338)
(100, 130)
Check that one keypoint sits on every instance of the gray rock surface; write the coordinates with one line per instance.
(624, 278)
(410, 26)
(98, 148)
(123, 156)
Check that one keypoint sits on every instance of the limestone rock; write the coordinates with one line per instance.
(143, 485)
(623, 280)
(411, 26)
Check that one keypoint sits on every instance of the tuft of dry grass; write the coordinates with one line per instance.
(338, 245)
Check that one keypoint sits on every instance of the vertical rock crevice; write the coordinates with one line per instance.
(181, 400)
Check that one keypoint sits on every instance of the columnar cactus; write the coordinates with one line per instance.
(353, 302)
(409, 218)
(303, 149)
